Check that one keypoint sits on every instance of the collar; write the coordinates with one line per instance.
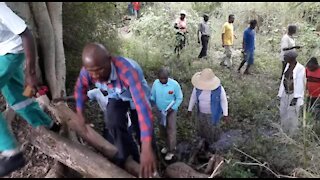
(113, 74)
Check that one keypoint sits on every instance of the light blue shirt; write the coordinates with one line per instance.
(164, 94)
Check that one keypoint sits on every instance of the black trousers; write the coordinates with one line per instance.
(117, 132)
(204, 42)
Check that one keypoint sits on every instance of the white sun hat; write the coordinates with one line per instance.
(205, 80)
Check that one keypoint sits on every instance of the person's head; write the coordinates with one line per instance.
(253, 24)
(205, 17)
(292, 29)
(231, 18)
(182, 14)
(96, 59)
(312, 64)
(290, 56)
(163, 75)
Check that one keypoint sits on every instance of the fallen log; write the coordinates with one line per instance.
(65, 115)
(182, 170)
(75, 156)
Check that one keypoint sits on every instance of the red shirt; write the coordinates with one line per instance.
(313, 87)
(136, 5)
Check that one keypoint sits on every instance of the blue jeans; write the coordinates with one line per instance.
(249, 57)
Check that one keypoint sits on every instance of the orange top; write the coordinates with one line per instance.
(313, 87)
(136, 5)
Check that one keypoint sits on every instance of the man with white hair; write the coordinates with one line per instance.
(291, 92)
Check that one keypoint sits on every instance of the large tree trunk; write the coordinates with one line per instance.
(45, 21)
(75, 156)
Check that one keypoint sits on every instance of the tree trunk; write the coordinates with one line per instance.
(182, 170)
(74, 155)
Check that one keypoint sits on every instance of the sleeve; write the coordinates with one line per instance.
(12, 21)
(200, 27)
(224, 28)
(132, 78)
(81, 88)
(192, 100)
(153, 92)
(284, 43)
(224, 102)
(300, 85)
(179, 97)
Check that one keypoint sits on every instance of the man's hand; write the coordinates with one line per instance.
(170, 110)
(223, 45)
(189, 113)
(226, 119)
(80, 125)
(297, 47)
(148, 166)
(32, 82)
(199, 41)
(293, 102)
(235, 36)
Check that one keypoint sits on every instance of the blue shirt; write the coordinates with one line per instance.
(248, 39)
(164, 94)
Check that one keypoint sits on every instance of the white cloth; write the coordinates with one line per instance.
(286, 42)
(299, 83)
(11, 26)
(205, 101)
(289, 115)
(96, 94)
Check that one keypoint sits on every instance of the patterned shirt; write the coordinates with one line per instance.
(126, 82)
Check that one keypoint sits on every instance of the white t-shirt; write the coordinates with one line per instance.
(286, 42)
(11, 26)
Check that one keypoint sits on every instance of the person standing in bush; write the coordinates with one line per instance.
(136, 8)
(227, 41)
(291, 92)
(167, 95)
(248, 46)
(16, 47)
(288, 44)
(212, 104)
(313, 87)
(204, 30)
(124, 81)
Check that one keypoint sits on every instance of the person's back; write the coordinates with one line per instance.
(249, 40)
(286, 42)
(313, 78)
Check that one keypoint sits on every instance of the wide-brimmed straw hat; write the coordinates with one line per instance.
(205, 80)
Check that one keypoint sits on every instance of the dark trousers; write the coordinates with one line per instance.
(117, 132)
(204, 42)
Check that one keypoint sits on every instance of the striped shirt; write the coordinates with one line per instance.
(126, 82)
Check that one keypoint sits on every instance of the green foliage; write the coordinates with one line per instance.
(85, 22)
(236, 172)
(205, 7)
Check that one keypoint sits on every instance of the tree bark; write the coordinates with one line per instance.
(55, 13)
(75, 156)
(182, 170)
(47, 43)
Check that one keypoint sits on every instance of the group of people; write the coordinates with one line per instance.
(126, 98)
(134, 9)
(227, 37)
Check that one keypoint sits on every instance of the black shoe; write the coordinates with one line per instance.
(55, 127)
(10, 164)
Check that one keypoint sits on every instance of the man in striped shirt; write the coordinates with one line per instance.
(123, 79)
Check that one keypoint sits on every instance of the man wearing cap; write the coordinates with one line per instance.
(212, 103)
(204, 30)
(288, 44)
(181, 25)
(291, 92)
(167, 95)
